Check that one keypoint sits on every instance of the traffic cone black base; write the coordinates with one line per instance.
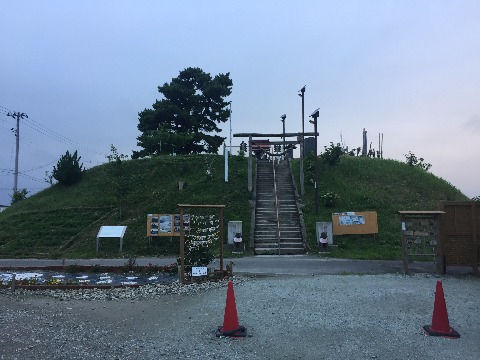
(240, 332)
(452, 333)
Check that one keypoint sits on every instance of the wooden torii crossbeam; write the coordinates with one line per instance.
(274, 135)
(299, 140)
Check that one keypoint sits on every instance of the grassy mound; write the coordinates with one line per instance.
(367, 184)
(64, 221)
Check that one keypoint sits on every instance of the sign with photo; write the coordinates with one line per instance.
(351, 220)
(348, 223)
(166, 224)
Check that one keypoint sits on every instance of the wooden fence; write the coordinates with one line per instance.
(460, 234)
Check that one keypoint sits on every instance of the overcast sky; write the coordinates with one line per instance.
(82, 70)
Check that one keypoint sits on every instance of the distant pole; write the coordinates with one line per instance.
(225, 153)
(250, 164)
(364, 145)
(314, 122)
(302, 95)
(18, 116)
(283, 117)
(230, 127)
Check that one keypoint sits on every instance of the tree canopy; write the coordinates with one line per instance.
(185, 120)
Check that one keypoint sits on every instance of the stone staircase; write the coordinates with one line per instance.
(278, 227)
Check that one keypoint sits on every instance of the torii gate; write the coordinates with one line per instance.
(300, 136)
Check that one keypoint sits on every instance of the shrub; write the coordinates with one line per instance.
(68, 171)
(329, 199)
(19, 196)
(412, 160)
(332, 154)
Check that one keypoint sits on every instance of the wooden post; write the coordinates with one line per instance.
(404, 246)
(302, 173)
(250, 164)
(14, 282)
(474, 240)
(182, 248)
(441, 260)
(438, 249)
(220, 224)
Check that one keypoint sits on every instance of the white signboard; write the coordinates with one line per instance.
(112, 231)
(199, 270)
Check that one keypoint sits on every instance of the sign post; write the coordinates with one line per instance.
(111, 232)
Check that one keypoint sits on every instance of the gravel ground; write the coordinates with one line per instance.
(303, 317)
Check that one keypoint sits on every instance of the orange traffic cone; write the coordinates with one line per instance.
(440, 325)
(230, 320)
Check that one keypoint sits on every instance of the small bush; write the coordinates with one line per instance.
(412, 160)
(19, 196)
(330, 199)
(331, 155)
(68, 171)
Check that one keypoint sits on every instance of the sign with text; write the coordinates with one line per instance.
(199, 271)
(348, 223)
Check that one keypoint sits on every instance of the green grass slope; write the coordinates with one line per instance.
(64, 221)
(367, 184)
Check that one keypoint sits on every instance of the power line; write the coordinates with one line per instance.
(8, 172)
(4, 109)
(32, 178)
(41, 167)
(52, 134)
(47, 132)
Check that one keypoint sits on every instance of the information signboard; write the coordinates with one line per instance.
(166, 224)
(347, 223)
(111, 232)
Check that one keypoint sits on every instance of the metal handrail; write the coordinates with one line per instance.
(276, 206)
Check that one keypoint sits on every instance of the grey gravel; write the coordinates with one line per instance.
(302, 317)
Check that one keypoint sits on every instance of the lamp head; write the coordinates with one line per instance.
(302, 90)
(283, 117)
(315, 113)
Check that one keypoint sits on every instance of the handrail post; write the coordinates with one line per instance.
(276, 206)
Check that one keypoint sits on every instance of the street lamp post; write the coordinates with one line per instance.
(314, 122)
(302, 95)
(302, 144)
(283, 117)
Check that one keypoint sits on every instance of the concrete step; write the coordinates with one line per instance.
(283, 244)
(266, 222)
(281, 251)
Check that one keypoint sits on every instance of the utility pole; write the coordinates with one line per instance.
(18, 116)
